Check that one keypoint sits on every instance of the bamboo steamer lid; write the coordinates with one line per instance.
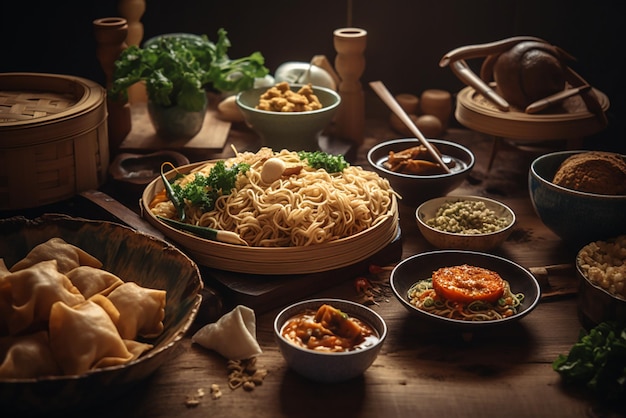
(53, 138)
(571, 120)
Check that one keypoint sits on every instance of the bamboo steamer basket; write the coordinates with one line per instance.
(570, 121)
(53, 138)
(273, 260)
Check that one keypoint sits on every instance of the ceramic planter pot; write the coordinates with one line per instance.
(174, 123)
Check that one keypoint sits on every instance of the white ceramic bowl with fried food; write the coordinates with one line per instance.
(323, 366)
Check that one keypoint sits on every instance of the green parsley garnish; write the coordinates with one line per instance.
(319, 159)
(204, 190)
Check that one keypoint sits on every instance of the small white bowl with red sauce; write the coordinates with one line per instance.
(331, 363)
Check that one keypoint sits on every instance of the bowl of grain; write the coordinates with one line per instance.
(465, 222)
(601, 266)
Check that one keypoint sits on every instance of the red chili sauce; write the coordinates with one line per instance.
(329, 329)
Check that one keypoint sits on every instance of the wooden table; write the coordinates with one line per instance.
(422, 370)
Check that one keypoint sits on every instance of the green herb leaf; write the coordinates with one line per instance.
(597, 361)
(204, 190)
(328, 162)
(177, 70)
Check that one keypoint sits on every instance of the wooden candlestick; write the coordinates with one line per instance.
(110, 34)
(132, 11)
(350, 64)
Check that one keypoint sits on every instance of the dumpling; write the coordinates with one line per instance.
(67, 255)
(91, 281)
(4, 270)
(5, 298)
(33, 292)
(142, 310)
(27, 356)
(84, 337)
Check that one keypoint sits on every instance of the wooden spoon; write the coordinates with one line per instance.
(395, 107)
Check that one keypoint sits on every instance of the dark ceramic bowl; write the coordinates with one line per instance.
(576, 217)
(329, 366)
(294, 131)
(132, 256)
(421, 266)
(416, 189)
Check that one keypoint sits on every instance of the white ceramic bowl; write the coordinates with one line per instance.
(462, 241)
(296, 131)
(330, 366)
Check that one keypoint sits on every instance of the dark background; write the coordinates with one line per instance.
(406, 39)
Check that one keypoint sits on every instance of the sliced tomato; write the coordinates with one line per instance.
(467, 283)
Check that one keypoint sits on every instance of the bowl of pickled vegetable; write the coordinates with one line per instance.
(329, 340)
(465, 222)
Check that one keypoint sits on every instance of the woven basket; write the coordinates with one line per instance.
(53, 138)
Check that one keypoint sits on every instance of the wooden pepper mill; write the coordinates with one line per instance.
(349, 64)
(110, 33)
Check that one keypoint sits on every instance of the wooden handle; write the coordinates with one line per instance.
(462, 70)
(386, 96)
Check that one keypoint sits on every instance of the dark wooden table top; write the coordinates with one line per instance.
(422, 370)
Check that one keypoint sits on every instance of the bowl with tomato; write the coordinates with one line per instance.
(464, 289)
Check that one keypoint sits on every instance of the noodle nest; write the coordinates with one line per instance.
(305, 208)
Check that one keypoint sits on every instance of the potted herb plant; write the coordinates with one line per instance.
(177, 69)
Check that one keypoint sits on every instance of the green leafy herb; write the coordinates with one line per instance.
(597, 361)
(178, 69)
(319, 159)
(203, 190)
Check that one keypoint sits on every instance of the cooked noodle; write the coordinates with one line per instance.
(423, 296)
(310, 207)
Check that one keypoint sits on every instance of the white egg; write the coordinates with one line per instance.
(272, 170)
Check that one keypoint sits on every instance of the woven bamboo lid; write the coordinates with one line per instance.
(569, 121)
(38, 108)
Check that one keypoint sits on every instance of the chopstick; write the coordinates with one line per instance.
(541, 104)
(389, 100)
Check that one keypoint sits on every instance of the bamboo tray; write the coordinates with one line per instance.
(276, 260)
(570, 121)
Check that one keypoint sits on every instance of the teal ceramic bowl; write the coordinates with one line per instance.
(294, 131)
(576, 217)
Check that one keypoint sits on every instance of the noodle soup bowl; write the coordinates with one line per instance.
(326, 366)
(416, 188)
(297, 131)
(421, 266)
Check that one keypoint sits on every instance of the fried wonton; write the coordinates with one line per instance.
(84, 337)
(142, 310)
(27, 356)
(34, 290)
(67, 255)
(91, 281)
